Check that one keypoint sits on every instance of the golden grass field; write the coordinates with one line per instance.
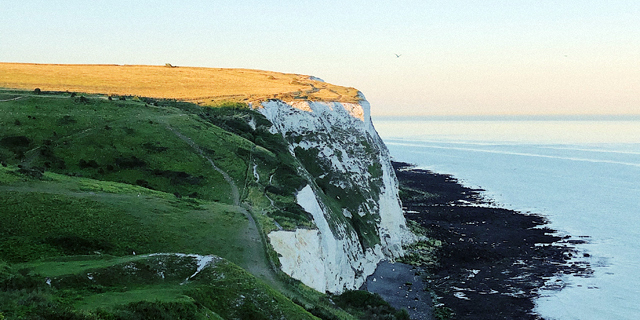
(205, 86)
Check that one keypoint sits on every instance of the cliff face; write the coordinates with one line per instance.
(351, 194)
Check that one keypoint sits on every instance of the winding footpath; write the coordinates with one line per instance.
(13, 99)
(235, 194)
(257, 254)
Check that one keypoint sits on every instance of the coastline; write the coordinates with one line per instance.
(490, 262)
(402, 286)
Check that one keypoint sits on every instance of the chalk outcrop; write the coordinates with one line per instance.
(352, 194)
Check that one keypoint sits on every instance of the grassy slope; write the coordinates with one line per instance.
(94, 180)
(202, 85)
(71, 216)
(99, 157)
(143, 287)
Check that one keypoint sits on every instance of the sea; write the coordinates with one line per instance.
(581, 172)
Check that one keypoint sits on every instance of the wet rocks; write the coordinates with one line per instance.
(492, 261)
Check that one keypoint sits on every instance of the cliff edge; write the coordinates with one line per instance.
(349, 189)
(352, 194)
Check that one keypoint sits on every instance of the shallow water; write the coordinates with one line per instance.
(583, 174)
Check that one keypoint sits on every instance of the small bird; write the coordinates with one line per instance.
(397, 55)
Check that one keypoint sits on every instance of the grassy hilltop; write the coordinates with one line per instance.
(101, 185)
(204, 86)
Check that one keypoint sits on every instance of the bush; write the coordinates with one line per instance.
(443, 313)
(15, 142)
(232, 105)
(359, 299)
(88, 164)
(367, 306)
(130, 163)
(66, 120)
(83, 100)
(159, 310)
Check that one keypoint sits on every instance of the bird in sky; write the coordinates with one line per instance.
(397, 55)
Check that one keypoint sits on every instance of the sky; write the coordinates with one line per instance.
(488, 57)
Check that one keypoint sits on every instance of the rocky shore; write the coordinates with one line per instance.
(481, 262)
(402, 286)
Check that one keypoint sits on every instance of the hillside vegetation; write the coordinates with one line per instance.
(121, 207)
(205, 86)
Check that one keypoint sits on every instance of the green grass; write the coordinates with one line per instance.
(58, 266)
(147, 288)
(134, 142)
(86, 182)
(137, 143)
(50, 218)
(8, 177)
(236, 295)
(123, 141)
(152, 293)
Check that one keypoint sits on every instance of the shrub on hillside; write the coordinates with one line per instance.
(130, 163)
(15, 142)
(368, 306)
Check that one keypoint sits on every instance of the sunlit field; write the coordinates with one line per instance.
(205, 86)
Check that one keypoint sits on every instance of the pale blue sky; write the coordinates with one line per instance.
(458, 57)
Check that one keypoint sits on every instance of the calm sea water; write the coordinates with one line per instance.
(581, 173)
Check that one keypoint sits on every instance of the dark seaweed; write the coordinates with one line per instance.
(492, 260)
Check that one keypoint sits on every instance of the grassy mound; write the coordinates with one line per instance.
(165, 286)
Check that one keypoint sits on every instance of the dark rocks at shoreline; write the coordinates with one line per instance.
(491, 261)
(402, 286)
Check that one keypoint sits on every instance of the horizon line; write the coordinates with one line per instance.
(514, 117)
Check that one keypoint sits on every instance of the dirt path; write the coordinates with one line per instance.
(257, 262)
(12, 99)
(235, 194)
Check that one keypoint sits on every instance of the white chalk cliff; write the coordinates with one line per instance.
(352, 194)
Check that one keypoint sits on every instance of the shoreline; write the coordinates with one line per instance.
(490, 261)
(402, 286)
